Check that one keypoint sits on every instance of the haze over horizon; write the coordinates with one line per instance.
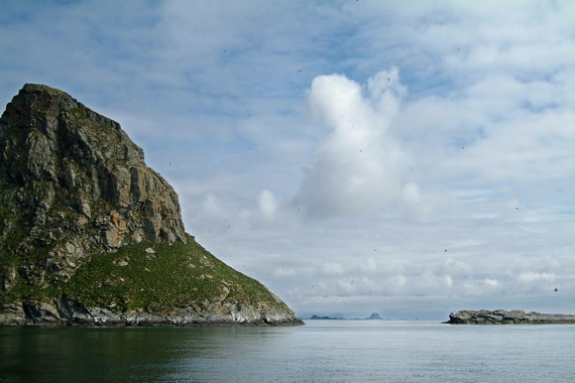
(409, 159)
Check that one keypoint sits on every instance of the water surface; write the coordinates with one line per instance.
(321, 351)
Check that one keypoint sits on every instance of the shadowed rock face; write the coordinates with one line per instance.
(75, 184)
(89, 235)
(507, 317)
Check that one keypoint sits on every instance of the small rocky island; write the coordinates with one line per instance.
(90, 235)
(325, 317)
(507, 317)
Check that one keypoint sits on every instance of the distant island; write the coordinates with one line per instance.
(507, 317)
(314, 317)
(373, 316)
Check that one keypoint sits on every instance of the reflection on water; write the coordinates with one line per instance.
(322, 351)
(65, 354)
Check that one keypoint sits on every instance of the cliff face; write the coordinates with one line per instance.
(73, 187)
(74, 184)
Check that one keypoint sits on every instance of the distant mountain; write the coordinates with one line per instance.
(90, 235)
(323, 317)
(373, 316)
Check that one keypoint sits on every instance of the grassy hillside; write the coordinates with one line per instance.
(176, 275)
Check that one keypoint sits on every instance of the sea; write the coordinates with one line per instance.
(320, 351)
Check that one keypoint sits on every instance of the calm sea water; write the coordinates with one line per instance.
(321, 351)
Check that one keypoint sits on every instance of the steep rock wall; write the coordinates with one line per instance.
(74, 184)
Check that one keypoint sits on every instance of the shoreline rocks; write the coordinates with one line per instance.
(507, 317)
(62, 312)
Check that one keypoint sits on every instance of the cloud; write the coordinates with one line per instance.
(491, 282)
(282, 272)
(267, 204)
(332, 268)
(530, 277)
(359, 166)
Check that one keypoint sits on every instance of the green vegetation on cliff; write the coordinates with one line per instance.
(174, 275)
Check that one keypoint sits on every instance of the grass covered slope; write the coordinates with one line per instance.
(147, 283)
(176, 275)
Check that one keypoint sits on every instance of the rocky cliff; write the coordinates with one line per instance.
(507, 317)
(77, 198)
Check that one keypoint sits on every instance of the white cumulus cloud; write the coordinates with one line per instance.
(358, 167)
(267, 203)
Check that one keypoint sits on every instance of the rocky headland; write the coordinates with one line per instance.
(90, 235)
(507, 317)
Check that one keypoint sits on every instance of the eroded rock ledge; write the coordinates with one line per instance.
(507, 317)
(72, 313)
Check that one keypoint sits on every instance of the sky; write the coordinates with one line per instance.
(405, 158)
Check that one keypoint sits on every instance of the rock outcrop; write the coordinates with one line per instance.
(62, 311)
(507, 317)
(73, 187)
(74, 184)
